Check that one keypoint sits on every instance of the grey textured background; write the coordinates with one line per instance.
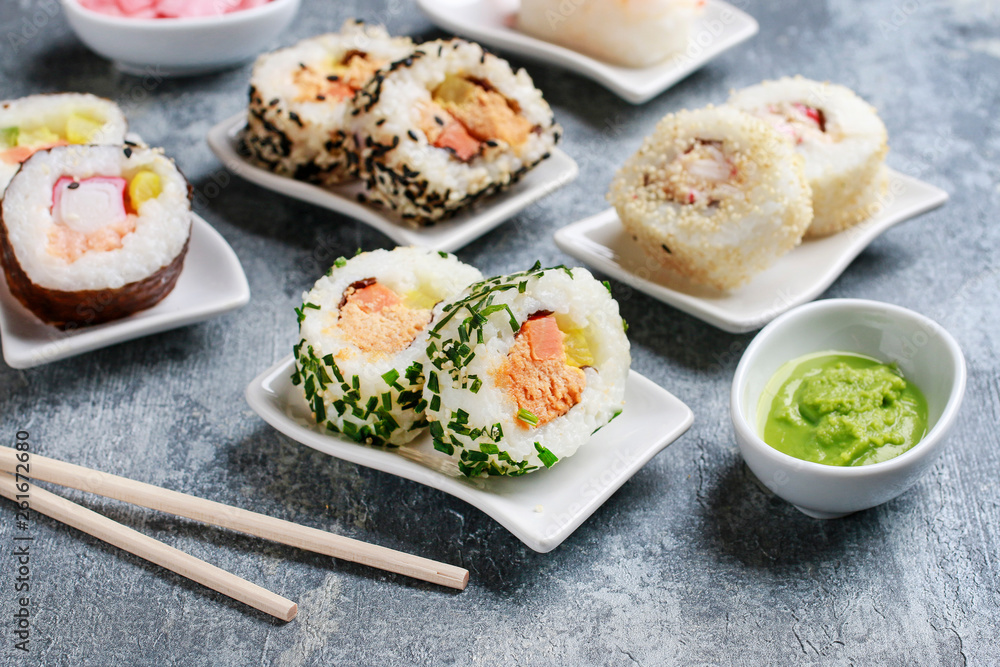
(690, 562)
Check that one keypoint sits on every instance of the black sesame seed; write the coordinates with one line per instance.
(411, 134)
(73, 186)
(438, 120)
(127, 151)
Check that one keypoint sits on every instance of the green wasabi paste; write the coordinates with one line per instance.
(842, 409)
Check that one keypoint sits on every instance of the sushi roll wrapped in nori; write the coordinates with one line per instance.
(841, 138)
(39, 122)
(94, 233)
(713, 194)
(298, 96)
(523, 369)
(363, 333)
(633, 33)
(450, 124)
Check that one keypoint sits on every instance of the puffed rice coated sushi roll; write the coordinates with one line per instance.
(715, 195)
(363, 336)
(523, 369)
(445, 127)
(298, 96)
(841, 138)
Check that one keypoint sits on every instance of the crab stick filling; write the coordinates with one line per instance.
(701, 174)
(336, 80)
(542, 372)
(799, 122)
(96, 213)
(378, 320)
(465, 113)
(17, 144)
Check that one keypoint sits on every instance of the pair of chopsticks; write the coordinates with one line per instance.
(206, 511)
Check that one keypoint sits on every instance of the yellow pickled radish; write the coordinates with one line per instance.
(81, 129)
(145, 185)
(454, 90)
(36, 136)
(418, 299)
(578, 352)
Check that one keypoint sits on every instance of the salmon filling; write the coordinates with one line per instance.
(464, 113)
(537, 375)
(338, 81)
(800, 122)
(377, 320)
(701, 174)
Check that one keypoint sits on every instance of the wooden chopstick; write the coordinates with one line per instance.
(234, 518)
(152, 550)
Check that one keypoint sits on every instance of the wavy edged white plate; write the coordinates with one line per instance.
(492, 22)
(449, 235)
(796, 278)
(212, 282)
(541, 509)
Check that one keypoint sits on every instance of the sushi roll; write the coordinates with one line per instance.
(38, 122)
(363, 333)
(450, 124)
(523, 369)
(633, 33)
(94, 233)
(841, 138)
(298, 96)
(714, 194)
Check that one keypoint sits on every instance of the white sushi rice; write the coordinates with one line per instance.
(299, 136)
(339, 379)
(162, 224)
(53, 112)
(474, 419)
(423, 183)
(757, 211)
(843, 161)
(634, 33)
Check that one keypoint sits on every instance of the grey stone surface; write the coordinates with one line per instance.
(690, 562)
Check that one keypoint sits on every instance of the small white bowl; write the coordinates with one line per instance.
(926, 354)
(183, 46)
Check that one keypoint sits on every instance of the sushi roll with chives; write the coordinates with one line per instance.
(633, 33)
(446, 126)
(39, 122)
(523, 369)
(94, 233)
(363, 333)
(841, 138)
(298, 96)
(715, 195)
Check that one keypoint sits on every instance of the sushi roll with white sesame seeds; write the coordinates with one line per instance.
(841, 138)
(39, 122)
(523, 369)
(298, 96)
(363, 336)
(445, 127)
(715, 195)
(90, 234)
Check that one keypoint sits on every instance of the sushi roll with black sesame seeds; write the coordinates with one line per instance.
(446, 126)
(363, 337)
(714, 194)
(39, 122)
(298, 96)
(523, 369)
(841, 138)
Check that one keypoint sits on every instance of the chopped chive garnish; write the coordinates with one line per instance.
(527, 417)
(340, 262)
(391, 376)
(547, 457)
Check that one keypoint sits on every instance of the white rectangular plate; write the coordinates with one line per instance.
(796, 278)
(449, 235)
(721, 27)
(212, 282)
(542, 508)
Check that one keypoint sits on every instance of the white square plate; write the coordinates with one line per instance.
(721, 27)
(541, 509)
(796, 278)
(212, 282)
(448, 235)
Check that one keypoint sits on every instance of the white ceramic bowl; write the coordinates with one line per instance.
(184, 46)
(926, 354)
